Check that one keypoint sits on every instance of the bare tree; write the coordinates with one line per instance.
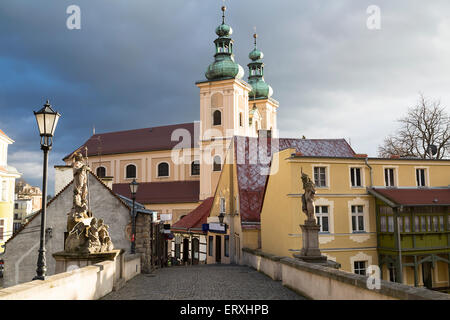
(423, 133)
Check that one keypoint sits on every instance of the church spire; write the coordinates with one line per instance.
(224, 66)
(260, 89)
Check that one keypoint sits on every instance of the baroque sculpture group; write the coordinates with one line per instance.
(86, 234)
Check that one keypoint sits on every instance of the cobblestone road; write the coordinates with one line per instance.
(204, 282)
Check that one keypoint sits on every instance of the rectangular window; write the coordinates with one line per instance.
(423, 224)
(389, 177)
(416, 224)
(355, 175)
(322, 218)
(435, 224)
(211, 246)
(357, 218)
(441, 223)
(360, 267)
(222, 205)
(420, 177)
(407, 224)
(16, 206)
(428, 223)
(383, 224)
(400, 223)
(320, 176)
(227, 246)
(390, 224)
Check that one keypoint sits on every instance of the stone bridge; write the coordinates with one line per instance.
(204, 282)
(261, 277)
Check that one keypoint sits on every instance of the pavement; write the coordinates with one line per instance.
(204, 282)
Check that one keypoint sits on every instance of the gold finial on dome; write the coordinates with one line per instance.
(223, 14)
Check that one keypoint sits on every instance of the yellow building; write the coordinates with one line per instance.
(8, 175)
(352, 193)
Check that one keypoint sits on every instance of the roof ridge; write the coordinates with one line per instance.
(146, 128)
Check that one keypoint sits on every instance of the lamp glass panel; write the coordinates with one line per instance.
(40, 122)
(55, 122)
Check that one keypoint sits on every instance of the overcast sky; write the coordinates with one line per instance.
(134, 63)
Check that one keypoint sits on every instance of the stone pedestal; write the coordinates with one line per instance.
(68, 261)
(310, 251)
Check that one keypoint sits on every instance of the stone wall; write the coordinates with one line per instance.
(323, 283)
(22, 250)
(87, 283)
(143, 241)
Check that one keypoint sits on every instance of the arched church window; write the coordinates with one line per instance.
(217, 118)
(195, 168)
(130, 171)
(217, 166)
(163, 169)
(101, 172)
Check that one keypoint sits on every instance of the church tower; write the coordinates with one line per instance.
(224, 110)
(263, 109)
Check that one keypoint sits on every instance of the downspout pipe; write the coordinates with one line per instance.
(366, 160)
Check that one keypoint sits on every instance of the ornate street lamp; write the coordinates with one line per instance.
(46, 119)
(133, 188)
(221, 216)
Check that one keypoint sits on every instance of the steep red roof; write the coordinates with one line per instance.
(139, 140)
(195, 218)
(162, 192)
(415, 197)
(253, 165)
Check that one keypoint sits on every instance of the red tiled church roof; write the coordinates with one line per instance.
(140, 140)
(416, 196)
(162, 192)
(196, 218)
(253, 165)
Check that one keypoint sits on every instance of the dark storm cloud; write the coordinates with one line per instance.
(134, 63)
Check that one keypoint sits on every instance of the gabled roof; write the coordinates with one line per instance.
(410, 197)
(253, 165)
(196, 218)
(162, 192)
(139, 140)
(38, 213)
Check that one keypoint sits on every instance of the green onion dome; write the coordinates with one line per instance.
(260, 89)
(256, 55)
(224, 30)
(226, 68)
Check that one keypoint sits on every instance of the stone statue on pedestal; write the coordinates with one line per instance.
(85, 234)
(308, 197)
(310, 230)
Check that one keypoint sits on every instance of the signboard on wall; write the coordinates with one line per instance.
(217, 227)
(165, 216)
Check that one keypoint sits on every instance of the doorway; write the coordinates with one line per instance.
(195, 251)
(185, 250)
(218, 249)
(427, 275)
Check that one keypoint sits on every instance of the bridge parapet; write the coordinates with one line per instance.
(88, 283)
(323, 283)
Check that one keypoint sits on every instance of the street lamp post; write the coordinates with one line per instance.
(133, 188)
(46, 119)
